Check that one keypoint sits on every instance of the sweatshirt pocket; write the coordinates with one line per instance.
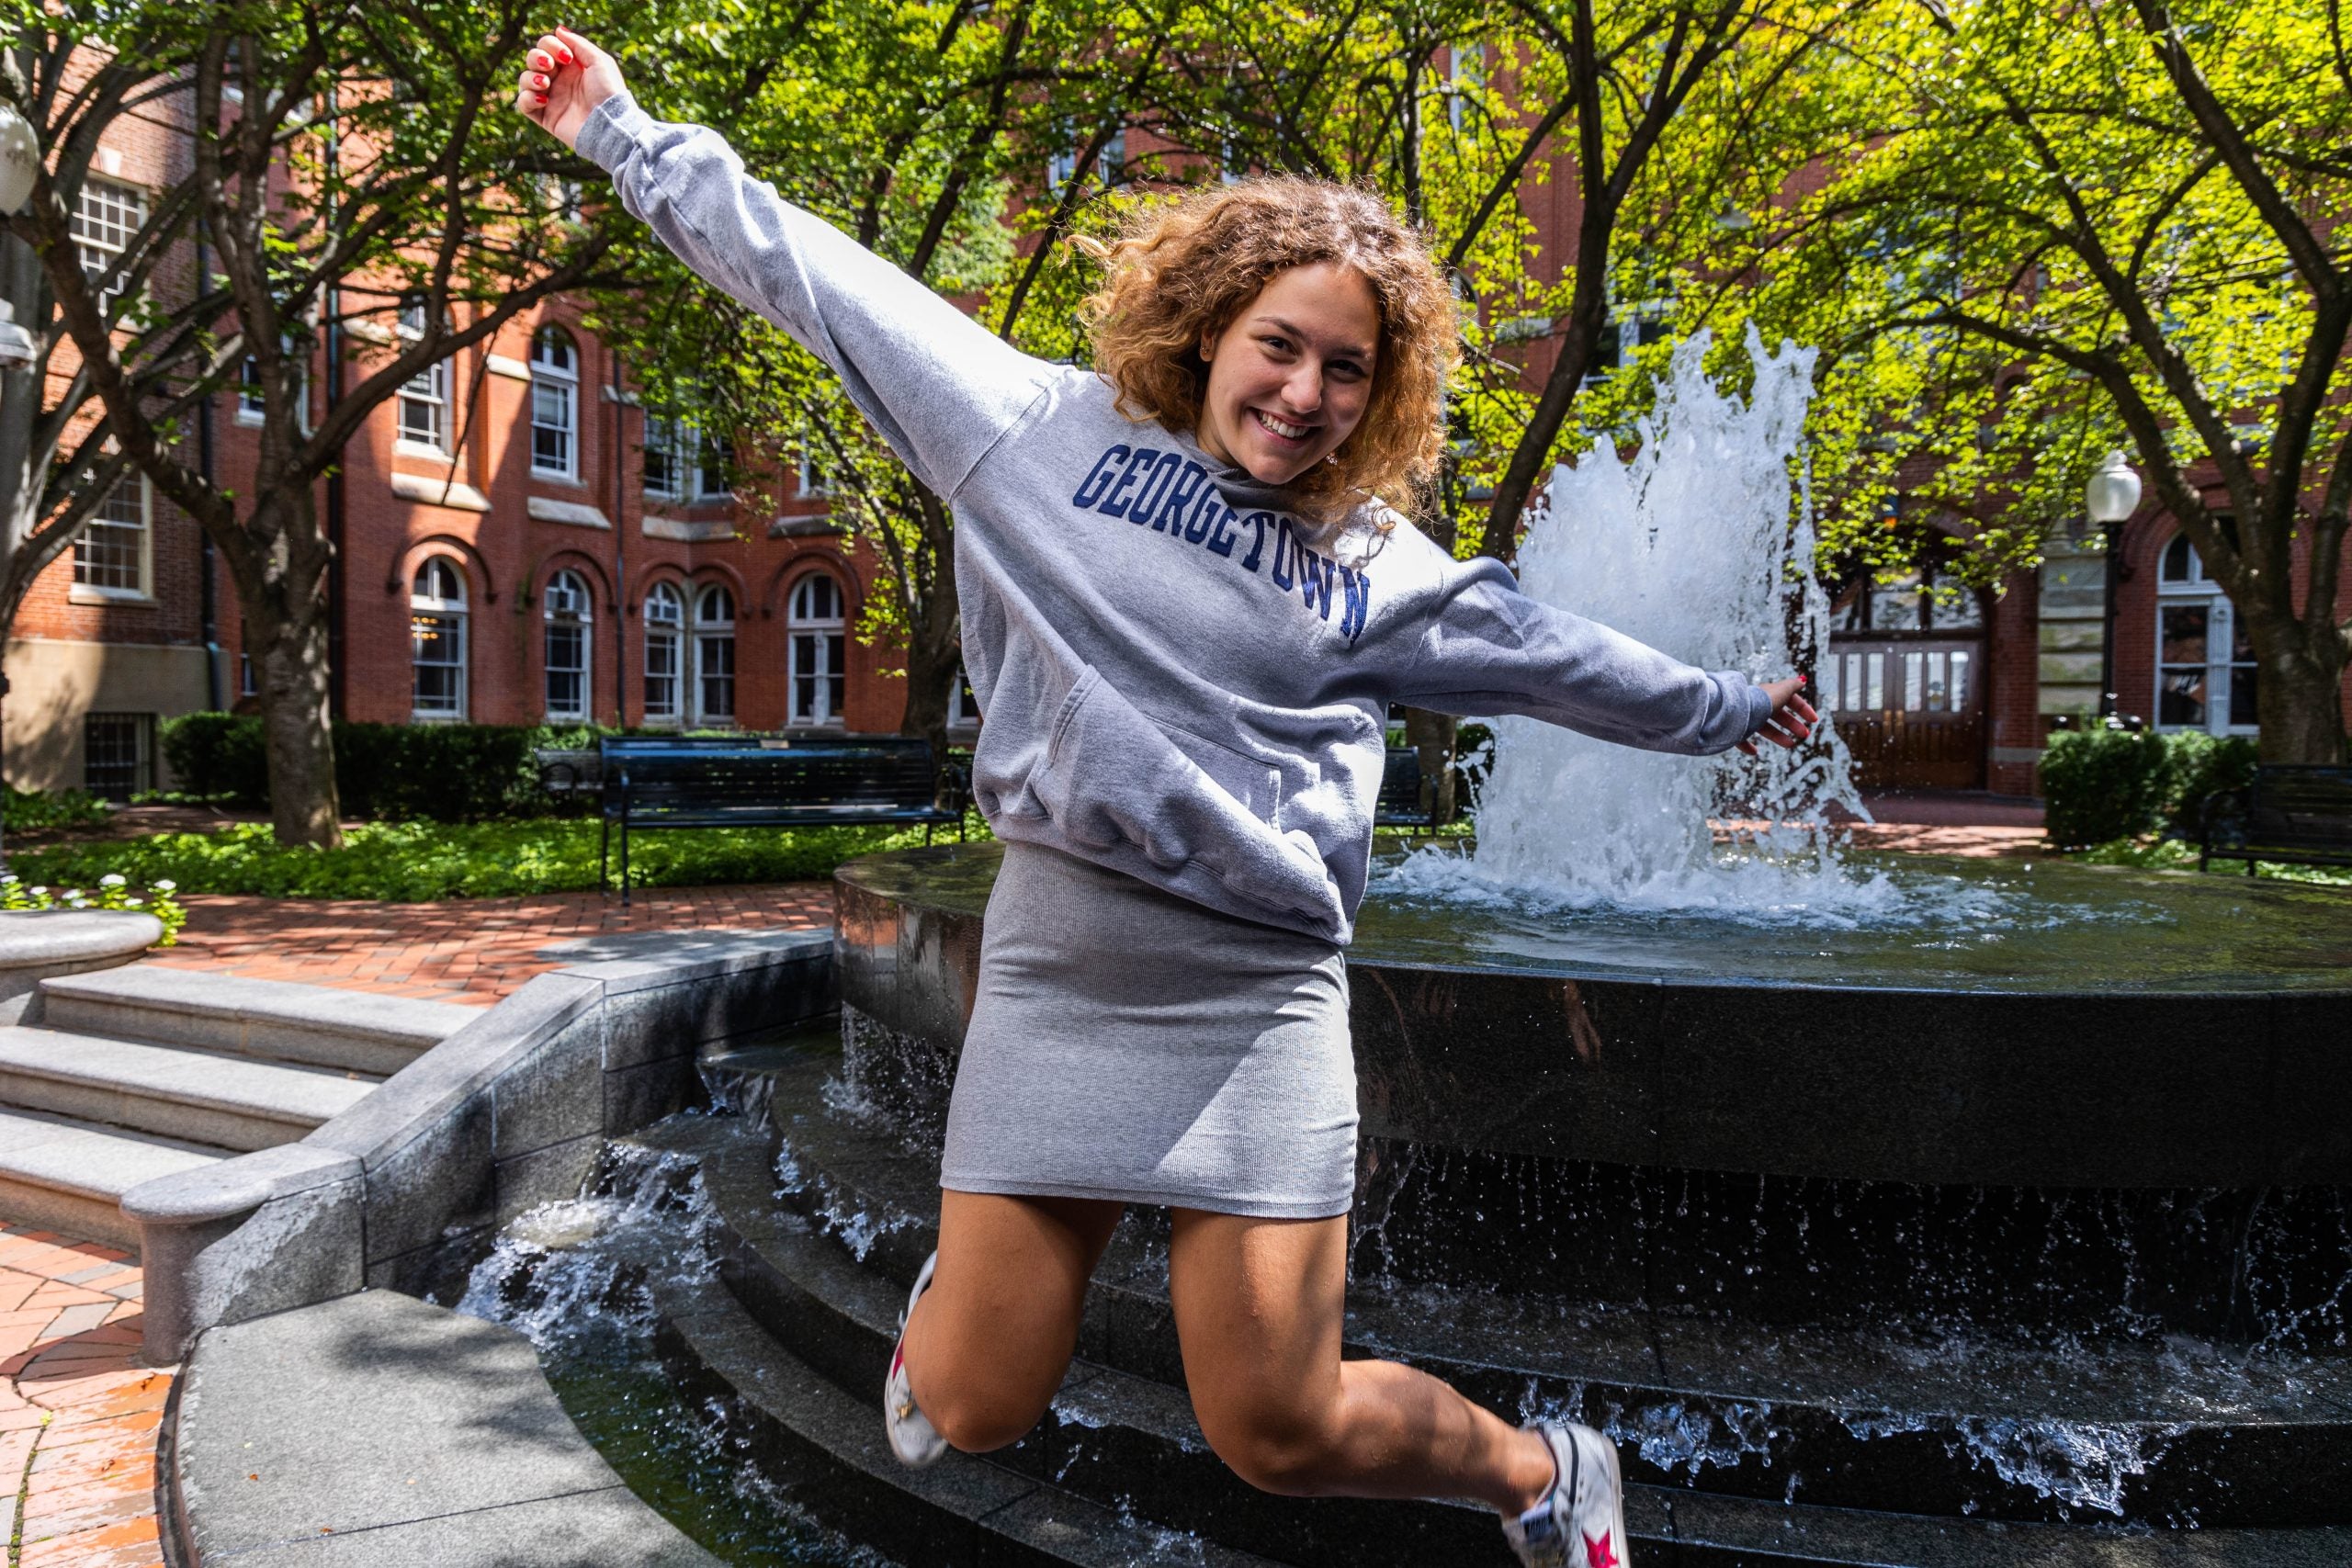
(1114, 777)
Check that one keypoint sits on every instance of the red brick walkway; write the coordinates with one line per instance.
(78, 1416)
(466, 949)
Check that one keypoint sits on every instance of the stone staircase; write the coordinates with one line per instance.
(113, 1076)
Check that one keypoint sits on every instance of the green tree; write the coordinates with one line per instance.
(2040, 231)
(960, 144)
(370, 207)
(56, 467)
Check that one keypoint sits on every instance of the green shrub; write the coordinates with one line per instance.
(413, 862)
(2204, 767)
(437, 772)
(2098, 785)
(30, 810)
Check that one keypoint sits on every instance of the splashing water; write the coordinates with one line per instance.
(1700, 545)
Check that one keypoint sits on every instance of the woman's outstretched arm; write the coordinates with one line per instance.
(1488, 648)
(939, 387)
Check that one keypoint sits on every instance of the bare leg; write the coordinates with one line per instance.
(1258, 1307)
(990, 1341)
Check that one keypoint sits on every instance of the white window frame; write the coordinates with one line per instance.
(817, 643)
(570, 611)
(962, 714)
(108, 215)
(2196, 591)
(559, 379)
(428, 390)
(665, 629)
(142, 589)
(709, 634)
(452, 613)
(251, 409)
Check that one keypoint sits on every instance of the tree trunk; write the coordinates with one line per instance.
(2299, 702)
(1431, 735)
(290, 660)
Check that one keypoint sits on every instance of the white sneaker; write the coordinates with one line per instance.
(915, 1440)
(1580, 1523)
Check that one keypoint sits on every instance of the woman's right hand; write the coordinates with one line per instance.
(563, 81)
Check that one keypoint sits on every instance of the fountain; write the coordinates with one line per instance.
(1925, 1215)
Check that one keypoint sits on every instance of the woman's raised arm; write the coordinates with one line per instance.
(941, 388)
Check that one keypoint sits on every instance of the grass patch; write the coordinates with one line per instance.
(2173, 855)
(421, 861)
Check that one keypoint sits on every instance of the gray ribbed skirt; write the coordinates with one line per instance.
(1131, 1044)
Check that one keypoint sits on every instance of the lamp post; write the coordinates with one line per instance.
(19, 163)
(2111, 496)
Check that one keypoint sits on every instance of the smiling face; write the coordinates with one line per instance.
(1292, 376)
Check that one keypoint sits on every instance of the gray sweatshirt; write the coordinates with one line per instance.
(1180, 679)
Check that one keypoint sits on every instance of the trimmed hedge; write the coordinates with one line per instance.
(435, 772)
(2103, 784)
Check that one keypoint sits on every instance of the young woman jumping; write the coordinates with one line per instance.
(1185, 613)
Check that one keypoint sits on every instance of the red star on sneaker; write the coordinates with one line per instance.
(1598, 1553)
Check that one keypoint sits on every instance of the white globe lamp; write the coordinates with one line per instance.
(19, 160)
(2113, 493)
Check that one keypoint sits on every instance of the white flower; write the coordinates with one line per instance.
(166, 885)
(38, 891)
(132, 903)
(112, 879)
(7, 877)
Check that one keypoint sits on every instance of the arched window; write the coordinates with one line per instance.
(571, 624)
(665, 619)
(437, 633)
(715, 657)
(555, 403)
(2205, 669)
(814, 617)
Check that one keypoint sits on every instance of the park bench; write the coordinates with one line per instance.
(660, 782)
(2295, 812)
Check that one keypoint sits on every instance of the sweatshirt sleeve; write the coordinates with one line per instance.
(1488, 648)
(941, 388)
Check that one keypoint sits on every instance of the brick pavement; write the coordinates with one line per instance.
(465, 949)
(79, 1414)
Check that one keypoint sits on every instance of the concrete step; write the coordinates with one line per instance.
(203, 1097)
(69, 1176)
(318, 1025)
(377, 1430)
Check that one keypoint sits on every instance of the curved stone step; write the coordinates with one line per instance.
(319, 1025)
(1860, 1420)
(1109, 1432)
(66, 1176)
(827, 1448)
(375, 1429)
(235, 1102)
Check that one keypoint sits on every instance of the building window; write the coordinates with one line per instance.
(555, 403)
(963, 707)
(681, 463)
(108, 216)
(665, 619)
(424, 398)
(817, 649)
(117, 754)
(245, 687)
(437, 630)
(112, 554)
(251, 407)
(814, 481)
(569, 621)
(715, 657)
(2205, 669)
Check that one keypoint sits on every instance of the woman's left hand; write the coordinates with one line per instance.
(1792, 717)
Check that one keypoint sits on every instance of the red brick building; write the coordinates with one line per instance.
(520, 542)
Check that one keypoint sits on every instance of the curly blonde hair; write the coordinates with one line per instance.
(1182, 271)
